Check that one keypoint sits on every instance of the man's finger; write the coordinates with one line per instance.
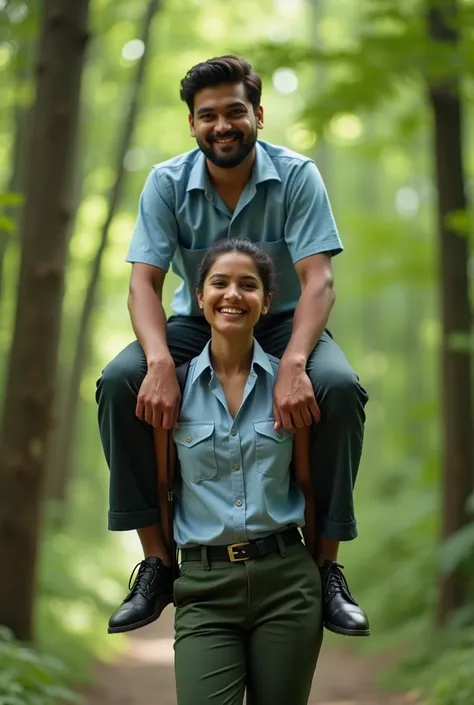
(139, 410)
(286, 422)
(148, 414)
(277, 417)
(167, 421)
(298, 421)
(306, 416)
(315, 412)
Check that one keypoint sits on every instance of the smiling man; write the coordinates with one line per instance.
(232, 184)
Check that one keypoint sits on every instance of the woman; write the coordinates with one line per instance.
(248, 599)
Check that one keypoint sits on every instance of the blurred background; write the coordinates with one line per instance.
(380, 94)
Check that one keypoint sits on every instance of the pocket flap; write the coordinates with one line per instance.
(189, 434)
(265, 428)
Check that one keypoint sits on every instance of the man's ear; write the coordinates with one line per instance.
(191, 125)
(259, 116)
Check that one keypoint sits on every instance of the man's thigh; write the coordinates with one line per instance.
(274, 333)
(187, 336)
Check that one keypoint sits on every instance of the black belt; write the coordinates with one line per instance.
(243, 551)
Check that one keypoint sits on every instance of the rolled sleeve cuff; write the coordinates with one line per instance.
(128, 521)
(148, 258)
(334, 246)
(337, 531)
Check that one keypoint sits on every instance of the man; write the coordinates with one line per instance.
(232, 184)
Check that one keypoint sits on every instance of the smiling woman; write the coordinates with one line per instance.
(238, 500)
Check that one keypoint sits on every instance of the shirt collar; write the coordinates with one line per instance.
(263, 170)
(259, 357)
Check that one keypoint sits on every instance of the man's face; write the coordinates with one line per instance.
(225, 124)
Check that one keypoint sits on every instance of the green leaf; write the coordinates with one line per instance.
(457, 549)
(11, 199)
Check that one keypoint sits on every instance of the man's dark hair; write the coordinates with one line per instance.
(263, 262)
(221, 69)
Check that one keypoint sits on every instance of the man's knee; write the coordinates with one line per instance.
(122, 377)
(339, 388)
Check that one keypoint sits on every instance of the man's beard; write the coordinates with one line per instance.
(228, 161)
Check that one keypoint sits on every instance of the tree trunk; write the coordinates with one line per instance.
(26, 422)
(457, 482)
(62, 461)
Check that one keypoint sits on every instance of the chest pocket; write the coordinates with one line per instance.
(195, 447)
(273, 449)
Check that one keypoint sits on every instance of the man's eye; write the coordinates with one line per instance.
(238, 112)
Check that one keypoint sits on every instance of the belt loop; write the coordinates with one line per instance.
(281, 545)
(205, 558)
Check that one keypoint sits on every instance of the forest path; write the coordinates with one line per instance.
(143, 675)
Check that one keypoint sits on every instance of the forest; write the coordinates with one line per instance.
(380, 94)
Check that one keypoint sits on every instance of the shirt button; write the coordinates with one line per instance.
(238, 503)
(234, 432)
(236, 466)
(189, 439)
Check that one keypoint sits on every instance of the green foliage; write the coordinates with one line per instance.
(456, 687)
(30, 678)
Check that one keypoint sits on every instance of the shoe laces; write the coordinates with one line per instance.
(140, 583)
(334, 582)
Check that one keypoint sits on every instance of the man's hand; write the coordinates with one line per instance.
(294, 403)
(159, 396)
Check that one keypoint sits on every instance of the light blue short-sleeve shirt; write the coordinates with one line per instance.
(284, 208)
(235, 481)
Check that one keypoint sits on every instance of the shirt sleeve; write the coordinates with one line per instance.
(310, 227)
(156, 230)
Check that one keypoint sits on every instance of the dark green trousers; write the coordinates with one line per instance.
(336, 444)
(254, 625)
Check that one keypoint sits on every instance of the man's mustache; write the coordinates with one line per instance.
(234, 135)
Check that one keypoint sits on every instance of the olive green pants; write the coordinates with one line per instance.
(253, 625)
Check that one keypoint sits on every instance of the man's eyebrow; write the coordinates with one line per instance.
(210, 109)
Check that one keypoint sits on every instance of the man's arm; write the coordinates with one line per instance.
(295, 404)
(159, 395)
(313, 309)
(312, 239)
(151, 250)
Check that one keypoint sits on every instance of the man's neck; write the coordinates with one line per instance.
(234, 179)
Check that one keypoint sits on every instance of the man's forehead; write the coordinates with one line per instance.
(221, 96)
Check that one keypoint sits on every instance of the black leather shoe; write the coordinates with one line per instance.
(341, 613)
(149, 594)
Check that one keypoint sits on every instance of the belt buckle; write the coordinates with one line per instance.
(232, 550)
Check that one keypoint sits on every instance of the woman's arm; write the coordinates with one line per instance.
(302, 475)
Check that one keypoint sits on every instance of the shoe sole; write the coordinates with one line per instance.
(144, 622)
(346, 632)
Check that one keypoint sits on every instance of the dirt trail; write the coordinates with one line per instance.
(144, 675)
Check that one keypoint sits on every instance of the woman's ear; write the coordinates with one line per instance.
(266, 304)
(199, 298)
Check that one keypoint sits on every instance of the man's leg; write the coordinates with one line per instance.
(129, 451)
(336, 447)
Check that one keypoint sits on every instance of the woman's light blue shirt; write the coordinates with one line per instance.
(235, 482)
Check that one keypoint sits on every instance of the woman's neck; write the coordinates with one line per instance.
(231, 356)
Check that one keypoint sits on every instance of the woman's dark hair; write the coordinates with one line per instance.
(221, 69)
(263, 262)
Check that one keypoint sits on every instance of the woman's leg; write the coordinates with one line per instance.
(210, 644)
(286, 640)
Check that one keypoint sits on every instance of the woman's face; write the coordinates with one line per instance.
(232, 297)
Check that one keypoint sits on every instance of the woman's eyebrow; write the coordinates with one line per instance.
(226, 276)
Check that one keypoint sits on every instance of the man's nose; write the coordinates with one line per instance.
(222, 125)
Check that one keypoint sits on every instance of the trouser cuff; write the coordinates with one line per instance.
(338, 531)
(127, 521)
